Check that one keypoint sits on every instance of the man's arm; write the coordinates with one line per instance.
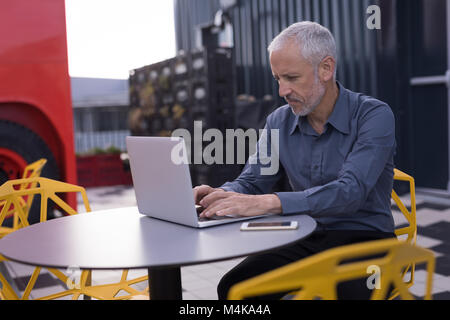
(249, 194)
(263, 168)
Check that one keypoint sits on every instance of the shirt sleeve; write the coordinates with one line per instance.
(263, 169)
(374, 146)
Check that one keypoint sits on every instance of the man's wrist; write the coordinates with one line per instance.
(271, 204)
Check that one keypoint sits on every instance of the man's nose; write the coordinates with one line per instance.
(283, 89)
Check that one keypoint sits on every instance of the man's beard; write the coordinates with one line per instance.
(307, 108)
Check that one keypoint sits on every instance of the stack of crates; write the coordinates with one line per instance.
(195, 86)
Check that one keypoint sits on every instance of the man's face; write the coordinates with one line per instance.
(298, 81)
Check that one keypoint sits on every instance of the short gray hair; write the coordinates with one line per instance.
(314, 40)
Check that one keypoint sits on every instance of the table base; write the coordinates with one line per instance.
(165, 284)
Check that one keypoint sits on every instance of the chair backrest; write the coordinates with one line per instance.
(32, 170)
(407, 233)
(307, 278)
(11, 196)
(411, 230)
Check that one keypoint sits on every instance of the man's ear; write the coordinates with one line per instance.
(326, 69)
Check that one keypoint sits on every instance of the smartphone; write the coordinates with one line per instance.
(279, 225)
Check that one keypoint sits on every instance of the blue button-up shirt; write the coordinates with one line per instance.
(343, 177)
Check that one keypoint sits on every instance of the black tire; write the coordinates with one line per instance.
(31, 148)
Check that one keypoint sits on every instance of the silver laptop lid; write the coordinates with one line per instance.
(161, 178)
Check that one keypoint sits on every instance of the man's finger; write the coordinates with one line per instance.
(214, 196)
(216, 206)
(200, 192)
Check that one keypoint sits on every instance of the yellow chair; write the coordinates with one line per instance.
(409, 232)
(10, 194)
(317, 276)
(32, 170)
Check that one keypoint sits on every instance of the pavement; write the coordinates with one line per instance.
(199, 282)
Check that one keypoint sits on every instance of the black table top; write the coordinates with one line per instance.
(124, 239)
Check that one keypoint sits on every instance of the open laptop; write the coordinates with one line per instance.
(162, 182)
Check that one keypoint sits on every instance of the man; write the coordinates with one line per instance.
(336, 147)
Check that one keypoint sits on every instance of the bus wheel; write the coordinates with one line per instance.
(19, 146)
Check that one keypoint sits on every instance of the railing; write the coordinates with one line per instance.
(86, 141)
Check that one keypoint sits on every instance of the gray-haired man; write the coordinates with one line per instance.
(336, 147)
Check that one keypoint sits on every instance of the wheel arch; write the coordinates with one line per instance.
(32, 118)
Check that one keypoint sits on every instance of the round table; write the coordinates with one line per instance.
(124, 239)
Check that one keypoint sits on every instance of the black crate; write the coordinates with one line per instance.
(200, 91)
(216, 64)
(182, 93)
(181, 67)
(196, 86)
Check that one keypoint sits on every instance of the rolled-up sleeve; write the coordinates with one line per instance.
(374, 146)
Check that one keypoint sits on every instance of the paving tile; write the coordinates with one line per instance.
(427, 242)
(136, 273)
(439, 230)
(425, 219)
(442, 296)
(443, 265)
(18, 269)
(197, 268)
(43, 292)
(418, 289)
(399, 218)
(212, 274)
(187, 279)
(195, 285)
(190, 296)
(443, 283)
(105, 276)
(209, 293)
(43, 280)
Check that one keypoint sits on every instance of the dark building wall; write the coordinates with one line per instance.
(412, 42)
(189, 14)
(257, 22)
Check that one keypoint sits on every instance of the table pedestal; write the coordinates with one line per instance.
(165, 283)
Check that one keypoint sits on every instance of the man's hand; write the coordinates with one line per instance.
(226, 203)
(201, 191)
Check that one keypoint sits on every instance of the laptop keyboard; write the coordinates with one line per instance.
(214, 218)
(200, 209)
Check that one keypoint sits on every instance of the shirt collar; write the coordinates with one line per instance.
(339, 118)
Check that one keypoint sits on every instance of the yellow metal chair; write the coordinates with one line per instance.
(10, 194)
(317, 276)
(409, 232)
(32, 170)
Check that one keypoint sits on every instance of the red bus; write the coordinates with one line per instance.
(36, 119)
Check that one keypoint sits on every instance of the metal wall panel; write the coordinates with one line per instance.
(257, 22)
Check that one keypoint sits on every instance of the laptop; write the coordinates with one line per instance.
(162, 182)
